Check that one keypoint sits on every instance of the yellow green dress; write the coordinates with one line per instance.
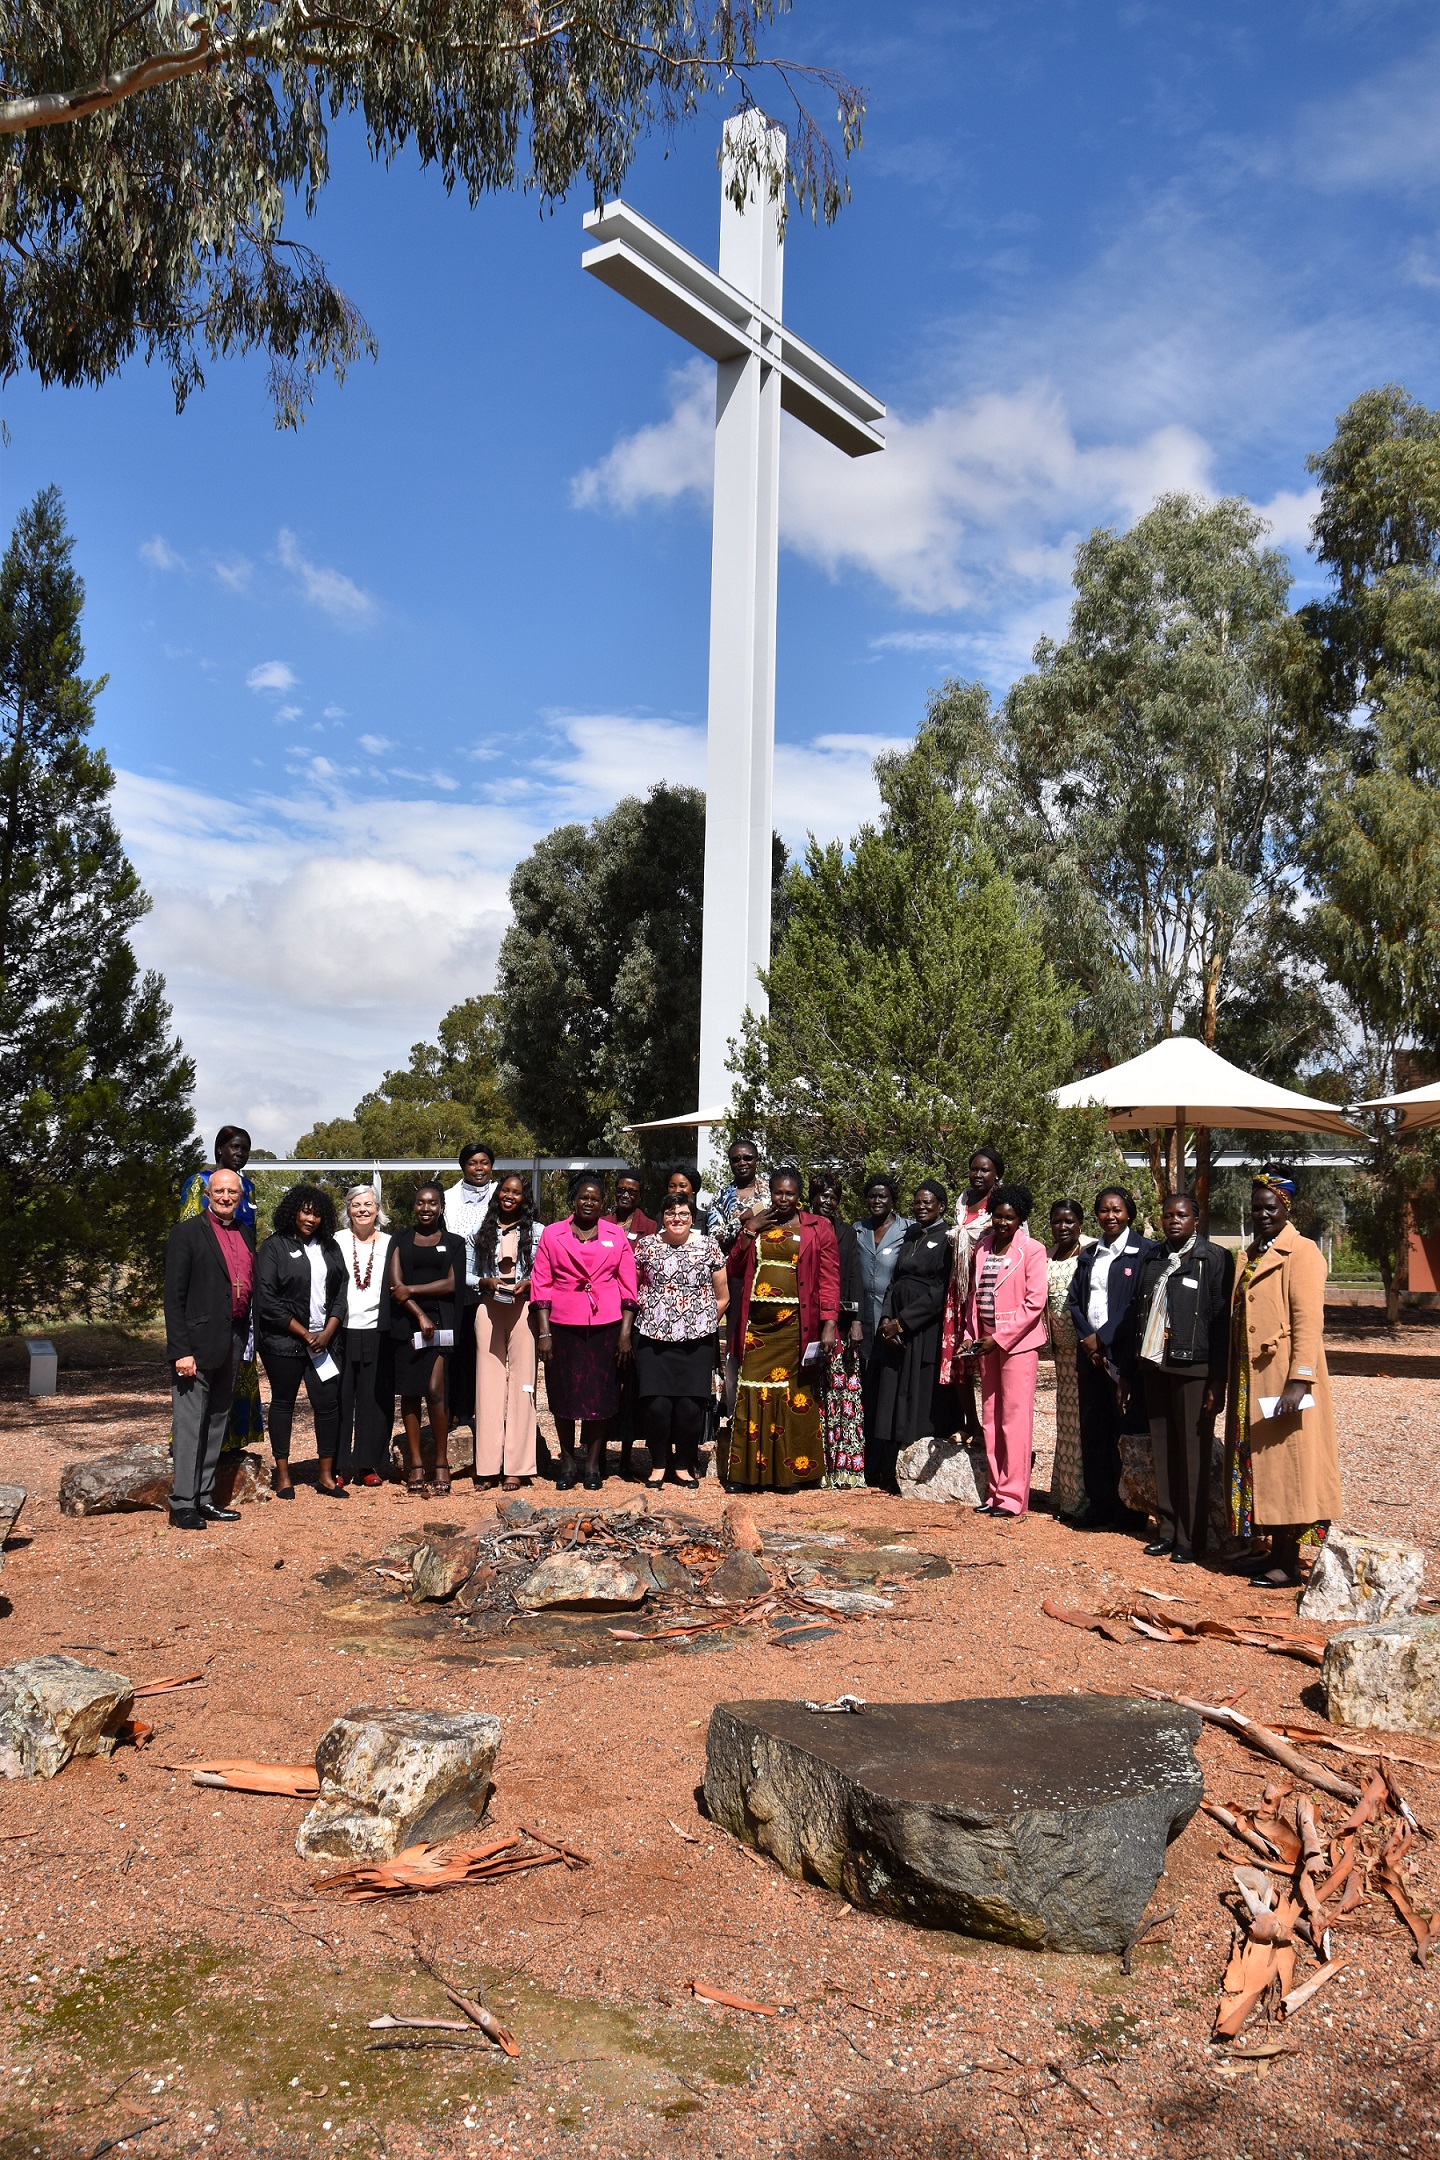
(247, 1419)
(776, 1436)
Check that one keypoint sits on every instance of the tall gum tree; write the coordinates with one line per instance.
(1373, 856)
(152, 150)
(1153, 785)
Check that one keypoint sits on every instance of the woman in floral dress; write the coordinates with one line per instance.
(1067, 1478)
(784, 1270)
(843, 1410)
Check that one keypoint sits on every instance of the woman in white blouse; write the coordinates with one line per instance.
(367, 1380)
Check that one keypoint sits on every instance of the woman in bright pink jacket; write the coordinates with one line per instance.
(583, 1299)
(1006, 1329)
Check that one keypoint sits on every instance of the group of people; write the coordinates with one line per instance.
(810, 1349)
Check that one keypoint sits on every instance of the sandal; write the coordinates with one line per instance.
(417, 1487)
(514, 1484)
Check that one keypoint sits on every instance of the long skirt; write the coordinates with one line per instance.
(844, 1418)
(1067, 1478)
(776, 1435)
(582, 1379)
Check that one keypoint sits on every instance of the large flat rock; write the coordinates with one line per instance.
(1361, 1579)
(53, 1707)
(1385, 1676)
(392, 1776)
(1035, 1820)
(128, 1483)
(942, 1470)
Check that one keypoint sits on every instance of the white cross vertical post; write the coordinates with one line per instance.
(761, 368)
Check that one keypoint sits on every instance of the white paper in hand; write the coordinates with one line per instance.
(1268, 1405)
(325, 1366)
(442, 1339)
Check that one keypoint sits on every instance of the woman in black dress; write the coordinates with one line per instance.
(427, 1285)
(904, 1399)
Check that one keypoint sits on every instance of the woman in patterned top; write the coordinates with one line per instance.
(785, 1268)
(684, 1292)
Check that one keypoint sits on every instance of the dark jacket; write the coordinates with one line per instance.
(197, 1293)
(1125, 1268)
(1198, 1306)
(282, 1292)
(852, 1286)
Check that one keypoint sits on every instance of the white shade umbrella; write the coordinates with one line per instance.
(688, 1118)
(1417, 1106)
(1181, 1082)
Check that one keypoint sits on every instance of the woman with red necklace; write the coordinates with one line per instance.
(367, 1362)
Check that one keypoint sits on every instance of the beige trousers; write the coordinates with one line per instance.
(504, 1390)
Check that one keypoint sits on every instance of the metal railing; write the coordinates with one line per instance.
(374, 1168)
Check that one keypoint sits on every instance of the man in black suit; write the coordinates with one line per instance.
(1173, 1352)
(1101, 1290)
(209, 1278)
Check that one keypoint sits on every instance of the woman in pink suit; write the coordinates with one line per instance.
(1005, 1326)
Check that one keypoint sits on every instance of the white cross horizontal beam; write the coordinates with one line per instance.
(636, 259)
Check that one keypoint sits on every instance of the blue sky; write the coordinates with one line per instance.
(1094, 251)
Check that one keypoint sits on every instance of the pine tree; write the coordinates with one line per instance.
(95, 1124)
(912, 1012)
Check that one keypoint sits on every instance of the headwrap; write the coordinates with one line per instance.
(1276, 1183)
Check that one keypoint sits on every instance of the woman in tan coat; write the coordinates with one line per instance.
(1282, 1461)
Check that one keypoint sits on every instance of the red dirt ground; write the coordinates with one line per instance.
(163, 1939)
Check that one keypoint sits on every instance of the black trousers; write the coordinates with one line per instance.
(285, 1375)
(674, 1428)
(1099, 1440)
(1180, 1443)
(460, 1367)
(367, 1402)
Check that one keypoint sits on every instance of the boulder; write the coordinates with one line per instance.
(12, 1499)
(1137, 1474)
(118, 1484)
(1386, 1675)
(592, 1583)
(54, 1707)
(849, 1602)
(738, 1579)
(1360, 1579)
(440, 1567)
(1040, 1821)
(241, 1479)
(942, 1470)
(667, 1574)
(738, 1532)
(392, 1777)
(460, 1450)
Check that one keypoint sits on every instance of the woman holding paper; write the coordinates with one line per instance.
(299, 1311)
(427, 1289)
(1282, 1460)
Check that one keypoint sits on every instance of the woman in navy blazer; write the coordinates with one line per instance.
(1101, 1289)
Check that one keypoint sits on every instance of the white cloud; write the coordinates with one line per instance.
(272, 675)
(308, 939)
(1383, 134)
(331, 591)
(160, 555)
(1290, 515)
(376, 745)
(233, 571)
(962, 504)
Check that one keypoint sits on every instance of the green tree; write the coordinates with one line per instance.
(1373, 857)
(1155, 786)
(450, 1092)
(912, 1012)
(155, 146)
(95, 1124)
(599, 974)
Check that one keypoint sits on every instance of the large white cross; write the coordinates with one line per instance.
(761, 369)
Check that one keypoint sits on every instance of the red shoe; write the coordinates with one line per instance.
(372, 1477)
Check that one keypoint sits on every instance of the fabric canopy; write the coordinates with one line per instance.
(690, 1117)
(1417, 1106)
(1181, 1082)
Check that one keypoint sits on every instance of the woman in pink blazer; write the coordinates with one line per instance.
(1005, 1328)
